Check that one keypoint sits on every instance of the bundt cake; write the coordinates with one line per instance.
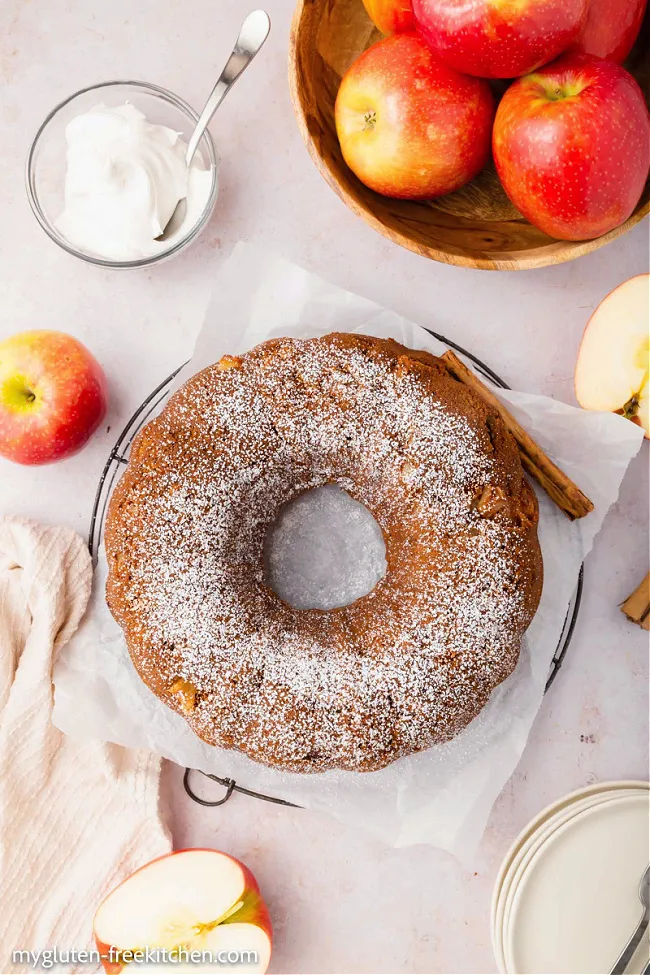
(399, 670)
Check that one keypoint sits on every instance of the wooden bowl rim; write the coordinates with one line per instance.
(555, 252)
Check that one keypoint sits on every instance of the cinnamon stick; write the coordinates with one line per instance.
(637, 606)
(559, 487)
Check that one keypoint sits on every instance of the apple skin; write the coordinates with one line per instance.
(499, 38)
(429, 128)
(52, 397)
(391, 16)
(611, 28)
(571, 145)
(261, 917)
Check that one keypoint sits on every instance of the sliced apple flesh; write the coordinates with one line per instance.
(613, 365)
(191, 901)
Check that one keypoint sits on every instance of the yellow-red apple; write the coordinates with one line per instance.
(52, 396)
(571, 145)
(191, 901)
(614, 357)
(499, 38)
(611, 28)
(410, 126)
(391, 16)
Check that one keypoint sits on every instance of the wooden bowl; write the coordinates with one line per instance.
(476, 226)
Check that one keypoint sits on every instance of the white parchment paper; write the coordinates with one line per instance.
(442, 796)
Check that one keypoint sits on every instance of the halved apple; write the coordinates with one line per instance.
(190, 901)
(614, 358)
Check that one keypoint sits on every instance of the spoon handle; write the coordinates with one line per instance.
(252, 35)
(625, 957)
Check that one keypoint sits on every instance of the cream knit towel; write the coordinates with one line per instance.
(76, 817)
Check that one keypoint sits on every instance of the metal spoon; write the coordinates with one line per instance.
(626, 955)
(252, 35)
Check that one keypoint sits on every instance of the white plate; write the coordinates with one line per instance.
(524, 855)
(530, 849)
(504, 876)
(551, 809)
(577, 902)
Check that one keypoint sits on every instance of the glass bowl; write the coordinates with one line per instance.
(46, 162)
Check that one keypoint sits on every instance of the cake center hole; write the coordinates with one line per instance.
(324, 550)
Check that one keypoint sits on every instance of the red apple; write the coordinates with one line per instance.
(410, 126)
(391, 16)
(499, 38)
(52, 396)
(614, 358)
(611, 28)
(189, 901)
(571, 145)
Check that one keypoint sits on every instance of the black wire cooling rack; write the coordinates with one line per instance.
(119, 458)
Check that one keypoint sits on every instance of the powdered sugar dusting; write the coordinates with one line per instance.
(402, 668)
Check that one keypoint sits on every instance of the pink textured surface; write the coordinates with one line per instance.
(341, 902)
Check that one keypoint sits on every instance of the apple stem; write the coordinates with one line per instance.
(631, 408)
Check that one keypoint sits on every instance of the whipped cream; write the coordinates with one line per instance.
(124, 178)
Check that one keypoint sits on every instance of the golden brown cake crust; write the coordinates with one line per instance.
(399, 670)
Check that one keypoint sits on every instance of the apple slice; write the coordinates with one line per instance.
(191, 901)
(614, 357)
